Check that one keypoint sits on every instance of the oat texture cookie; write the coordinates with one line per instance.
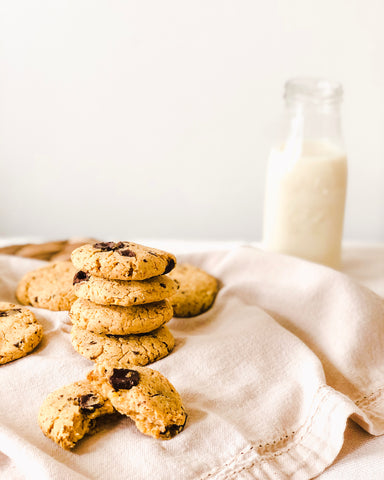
(145, 396)
(115, 320)
(122, 260)
(70, 412)
(48, 287)
(124, 350)
(121, 292)
(196, 290)
(20, 332)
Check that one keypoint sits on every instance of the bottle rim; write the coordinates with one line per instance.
(313, 90)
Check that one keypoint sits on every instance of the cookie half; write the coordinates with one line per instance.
(196, 291)
(115, 320)
(121, 292)
(20, 332)
(122, 260)
(48, 287)
(124, 350)
(70, 412)
(144, 395)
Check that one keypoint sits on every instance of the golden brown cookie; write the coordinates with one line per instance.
(70, 412)
(20, 332)
(48, 287)
(124, 350)
(196, 290)
(122, 260)
(115, 320)
(145, 396)
(121, 292)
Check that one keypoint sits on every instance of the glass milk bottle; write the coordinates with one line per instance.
(307, 175)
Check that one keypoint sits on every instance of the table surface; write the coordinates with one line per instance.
(362, 455)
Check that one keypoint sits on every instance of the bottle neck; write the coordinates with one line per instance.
(305, 120)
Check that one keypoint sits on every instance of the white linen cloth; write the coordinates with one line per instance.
(269, 377)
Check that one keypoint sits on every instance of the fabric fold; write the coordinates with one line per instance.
(300, 455)
(341, 321)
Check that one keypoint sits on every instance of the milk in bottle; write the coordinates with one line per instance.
(307, 176)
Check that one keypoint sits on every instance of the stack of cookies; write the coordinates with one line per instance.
(123, 303)
(118, 321)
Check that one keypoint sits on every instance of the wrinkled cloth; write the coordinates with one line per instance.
(269, 377)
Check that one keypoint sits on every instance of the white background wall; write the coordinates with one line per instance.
(154, 118)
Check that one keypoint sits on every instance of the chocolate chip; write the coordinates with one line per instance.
(163, 285)
(170, 266)
(6, 313)
(105, 246)
(36, 299)
(18, 344)
(80, 276)
(109, 246)
(124, 378)
(172, 430)
(89, 402)
(166, 345)
(153, 253)
(127, 253)
(145, 260)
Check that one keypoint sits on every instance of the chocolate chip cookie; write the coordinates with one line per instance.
(196, 290)
(121, 292)
(145, 396)
(70, 412)
(20, 332)
(122, 260)
(48, 287)
(115, 320)
(139, 349)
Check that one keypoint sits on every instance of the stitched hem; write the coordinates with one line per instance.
(306, 453)
(370, 413)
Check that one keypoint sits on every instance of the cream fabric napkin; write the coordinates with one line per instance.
(269, 377)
